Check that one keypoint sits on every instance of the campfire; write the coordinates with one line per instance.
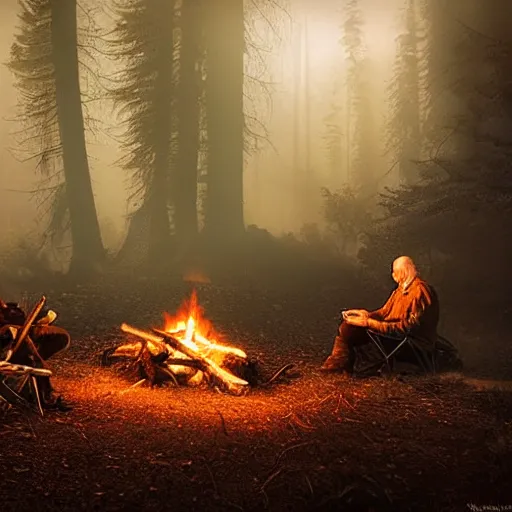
(187, 351)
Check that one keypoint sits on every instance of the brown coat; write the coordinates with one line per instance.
(415, 310)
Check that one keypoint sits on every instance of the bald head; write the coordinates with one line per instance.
(404, 271)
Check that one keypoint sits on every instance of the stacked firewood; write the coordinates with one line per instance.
(160, 356)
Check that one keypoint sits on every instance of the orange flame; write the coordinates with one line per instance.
(197, 332)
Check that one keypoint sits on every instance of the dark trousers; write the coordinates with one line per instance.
(49, 340)
(349, 337)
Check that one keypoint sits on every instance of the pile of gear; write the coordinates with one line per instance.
(26, 342)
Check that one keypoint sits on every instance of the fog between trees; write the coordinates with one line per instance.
(199, 121)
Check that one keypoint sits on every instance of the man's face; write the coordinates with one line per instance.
(395, 274)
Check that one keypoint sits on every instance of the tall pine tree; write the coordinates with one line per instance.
(333, 140)
(188, 94)
(225, 47)
(361, 142)
(404, 128)
(45, 61)
(146, 42)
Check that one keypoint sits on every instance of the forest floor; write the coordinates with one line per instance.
(317, 442)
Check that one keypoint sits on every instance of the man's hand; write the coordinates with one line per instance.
(356, 312)
(358, 317)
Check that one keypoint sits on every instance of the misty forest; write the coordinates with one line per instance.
(194, 192)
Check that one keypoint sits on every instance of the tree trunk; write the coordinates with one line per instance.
(225, 118)
(408, 170)
(159, 236)
(158, 195)
(88, 251)
(185, 215)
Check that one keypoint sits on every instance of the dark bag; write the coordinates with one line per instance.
(12, 314)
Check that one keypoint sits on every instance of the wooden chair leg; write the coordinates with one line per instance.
(35, 390)
(12, 396)
(5, 406)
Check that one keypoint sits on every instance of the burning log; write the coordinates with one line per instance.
(155, 344)
(201, 357)
(233, 383)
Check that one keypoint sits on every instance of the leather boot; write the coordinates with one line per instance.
(45, 388)
(339, 358)
(50, 400)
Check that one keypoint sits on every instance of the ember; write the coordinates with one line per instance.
(187, 351)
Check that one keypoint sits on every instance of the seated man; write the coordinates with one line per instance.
(413, 307)
(48, 340)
